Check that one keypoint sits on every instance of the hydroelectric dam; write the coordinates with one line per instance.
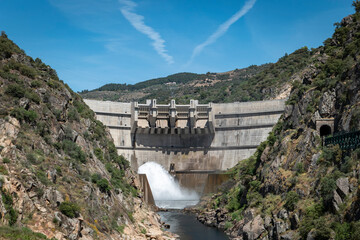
(192, 140)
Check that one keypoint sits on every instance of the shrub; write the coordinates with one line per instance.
(310, 220)
(7, 47)
(74, 151)
(103, 185)
(12, 214)
(327, 187)
(53, 84)
(22, 114)
(299, 168)
(69, 209)
(15, 90)
(34, 158)
(347, 164)
(41, 176)
(33, 96)
(330, 155)
(6, 160)
(35, 84)
(120, 228)
(235, 196)
(3, 170)
(228, 225)
(343, 231)
(356, 5)
(73, 114)
(99, 154)
(95, 177)
(291, 199)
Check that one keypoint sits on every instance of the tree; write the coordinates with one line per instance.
(3, 34)
(356, 5)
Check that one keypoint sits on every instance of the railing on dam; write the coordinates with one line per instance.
(346, 141)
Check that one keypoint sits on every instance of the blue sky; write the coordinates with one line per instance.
(94, 42)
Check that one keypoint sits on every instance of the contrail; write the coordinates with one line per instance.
(222, 29)
(137, 21)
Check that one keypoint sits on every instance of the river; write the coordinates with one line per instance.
(168, 194)
(188, 228)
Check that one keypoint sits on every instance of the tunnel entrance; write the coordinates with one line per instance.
(325, 130)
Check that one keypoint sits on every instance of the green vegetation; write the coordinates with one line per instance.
(69, 209)
(22, 114)
(178, 78)
(103, 185)
(291, 200)
(51, 120)
(16, 233)
(15, 90)
(73, 150)
(11, 214)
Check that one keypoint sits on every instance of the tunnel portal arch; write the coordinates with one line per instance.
(325, 130)
(325, 126)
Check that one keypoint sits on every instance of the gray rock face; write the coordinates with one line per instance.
(280, 227)
(252, 230)
(343, 186)
(290, 235)
(337, 200)
(315, 158)
(327, 104)
(311, 235)
(283, 214)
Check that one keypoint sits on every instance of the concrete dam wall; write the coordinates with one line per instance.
(194, 137)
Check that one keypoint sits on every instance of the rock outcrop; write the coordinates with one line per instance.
(60, 174)
(295, 187)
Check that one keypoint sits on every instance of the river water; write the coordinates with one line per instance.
(188, 228)
(168, 194)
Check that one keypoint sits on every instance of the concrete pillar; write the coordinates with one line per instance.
(153, 113)
(172, 114)
(192, 116)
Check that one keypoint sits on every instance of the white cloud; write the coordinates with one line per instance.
(222, 29)
(137, 21)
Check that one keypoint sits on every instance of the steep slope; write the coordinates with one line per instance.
(293, 187)
(60, 174)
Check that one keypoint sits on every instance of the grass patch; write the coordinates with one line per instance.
(12, 233)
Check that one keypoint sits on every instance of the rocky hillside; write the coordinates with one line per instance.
(293, 187)
(60, 174)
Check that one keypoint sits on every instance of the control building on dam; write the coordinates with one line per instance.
(188, 138)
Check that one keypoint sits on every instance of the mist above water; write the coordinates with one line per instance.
(166, 190)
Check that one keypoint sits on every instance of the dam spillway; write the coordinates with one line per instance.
(192, 138)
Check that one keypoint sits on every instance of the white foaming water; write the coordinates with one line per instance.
(166, 190)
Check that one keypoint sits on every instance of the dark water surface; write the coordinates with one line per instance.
(188, 228)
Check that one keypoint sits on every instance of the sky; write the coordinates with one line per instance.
(94, 42)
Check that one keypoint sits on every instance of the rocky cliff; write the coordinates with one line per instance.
(60, 174)
(294, 187)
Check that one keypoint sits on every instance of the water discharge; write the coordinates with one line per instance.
(166, 190)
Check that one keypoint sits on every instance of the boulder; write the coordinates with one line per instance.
(253, 229)
(343, 186)
(311, 235)
(280, 227)
(290, 235)
(283, 214)
(336, 200)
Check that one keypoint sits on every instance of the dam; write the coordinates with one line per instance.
(191, 140)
